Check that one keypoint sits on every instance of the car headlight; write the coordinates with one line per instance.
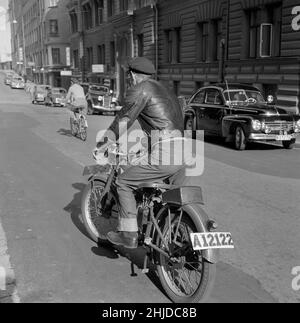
(256, 125)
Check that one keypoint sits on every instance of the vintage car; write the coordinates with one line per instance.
(56, 97)
(240, 114)
(8, 78)
(102, 100)
(17, 82)
(40, 93)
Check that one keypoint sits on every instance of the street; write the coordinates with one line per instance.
(253, 194)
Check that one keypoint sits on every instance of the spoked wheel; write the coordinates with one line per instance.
(99, 213)
(186, 276)
(82, 129)
(73, 126)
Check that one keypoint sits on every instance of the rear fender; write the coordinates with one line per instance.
(201, 219)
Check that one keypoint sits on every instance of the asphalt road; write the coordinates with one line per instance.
(254, 194)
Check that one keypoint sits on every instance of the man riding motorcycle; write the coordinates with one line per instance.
(160, 116)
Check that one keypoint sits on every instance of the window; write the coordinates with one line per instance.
(99, 8)
(76, 58)
(89, 57)
(101, 54)
(74, 21)
(178, 44)
(254, 28)
(53, 27)
(87, 16)
(140, 41)
(110, 8)
(176, 85)
(199, 97)
(123, 5)
(264, 27)
(202, 42)
(55, 56)
(217, 37)
(169, 46)
(112, 54)
(212, 96)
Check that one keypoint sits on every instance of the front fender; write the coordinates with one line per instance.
(229, 124)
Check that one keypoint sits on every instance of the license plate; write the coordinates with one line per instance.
(212, 240)
(284, 137)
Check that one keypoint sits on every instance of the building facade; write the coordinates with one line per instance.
(105, 33)
(249, 41)
(40, 39)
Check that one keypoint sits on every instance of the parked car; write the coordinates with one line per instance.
(102, 100)
(56, 97)
(9, 77)
(17, 82)
(40, 93)
(239, 113)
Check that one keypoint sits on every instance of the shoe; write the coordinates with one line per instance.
(126, 239)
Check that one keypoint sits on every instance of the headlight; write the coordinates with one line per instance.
(256, 125)
(298, 123)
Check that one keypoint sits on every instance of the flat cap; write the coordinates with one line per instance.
(141, 65)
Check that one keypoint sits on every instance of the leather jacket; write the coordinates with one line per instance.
(155, 107)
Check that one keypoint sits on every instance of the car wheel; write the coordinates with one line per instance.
(90, 110)
(239, 139)
(289, 144)
(190, 125)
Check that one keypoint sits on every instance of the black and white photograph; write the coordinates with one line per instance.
(149, 154)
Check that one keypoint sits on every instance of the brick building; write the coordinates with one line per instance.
(249, 41)
(40, 32)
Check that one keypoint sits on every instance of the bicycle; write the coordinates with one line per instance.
(78, 123)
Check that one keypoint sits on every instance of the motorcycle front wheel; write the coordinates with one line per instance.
(186, 277)
(99, 212)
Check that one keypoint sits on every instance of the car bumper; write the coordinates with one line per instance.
(270, 137)
(40, 99)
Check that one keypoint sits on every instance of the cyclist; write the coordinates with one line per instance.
(76, 98)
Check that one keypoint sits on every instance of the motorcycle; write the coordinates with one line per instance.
(179, 237)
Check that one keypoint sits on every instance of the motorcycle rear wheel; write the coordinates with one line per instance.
(189, 278)
(98, 217)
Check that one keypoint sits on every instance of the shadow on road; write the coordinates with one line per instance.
(74, 208)
(65, 132)
(136, 257)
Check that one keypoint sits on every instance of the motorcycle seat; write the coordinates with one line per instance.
(161, 186)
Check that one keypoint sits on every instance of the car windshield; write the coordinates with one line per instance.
(244, 96)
